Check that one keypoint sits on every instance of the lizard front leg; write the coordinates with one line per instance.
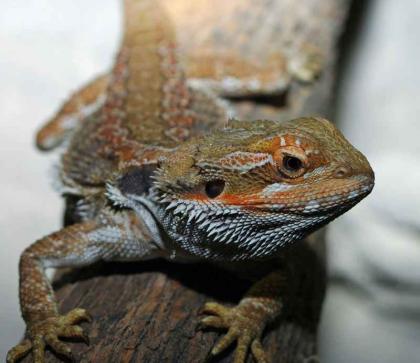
(74, 246)
(80, 105)
(246, 322)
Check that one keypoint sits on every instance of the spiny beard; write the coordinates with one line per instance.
(218, 232)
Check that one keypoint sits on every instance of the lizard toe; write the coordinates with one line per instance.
(258, 351)
(48, 332)
(215, 309)
(76, 316)
(19, 351)
(38, 349)
(74, 331)
(58, 346)
(211, 322)
(225, 341)
(243, 326)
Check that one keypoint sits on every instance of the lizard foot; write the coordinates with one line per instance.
(47, 332)
(244, 323)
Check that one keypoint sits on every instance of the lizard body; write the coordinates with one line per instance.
(161, 173)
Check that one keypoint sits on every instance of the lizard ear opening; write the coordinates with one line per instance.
(214, 188)
(136, 179)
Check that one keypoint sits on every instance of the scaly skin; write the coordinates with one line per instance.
(189, 188)
(82, 103)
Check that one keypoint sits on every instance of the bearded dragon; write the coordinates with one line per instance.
(159, 171)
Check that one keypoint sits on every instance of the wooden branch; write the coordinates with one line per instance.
(148, 311)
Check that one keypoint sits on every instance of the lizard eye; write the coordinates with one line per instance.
(214, 188)
(291, 166)
(292, 163)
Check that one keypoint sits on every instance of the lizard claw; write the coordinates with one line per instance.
(47, 332)
(244, 325)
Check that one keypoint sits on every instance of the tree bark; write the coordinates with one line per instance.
(148, 311)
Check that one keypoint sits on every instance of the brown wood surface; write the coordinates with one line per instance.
(148, 311)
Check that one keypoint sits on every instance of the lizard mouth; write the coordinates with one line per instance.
(334, 195)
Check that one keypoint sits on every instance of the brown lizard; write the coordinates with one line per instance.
(159, 172)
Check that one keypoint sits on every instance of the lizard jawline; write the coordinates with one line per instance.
(222, 234)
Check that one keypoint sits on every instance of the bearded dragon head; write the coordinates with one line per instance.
(246, 191)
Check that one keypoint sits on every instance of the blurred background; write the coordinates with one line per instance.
(372, 312)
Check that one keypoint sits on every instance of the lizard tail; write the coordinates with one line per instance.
(147, 83)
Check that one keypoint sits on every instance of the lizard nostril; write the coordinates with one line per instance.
(341, 172)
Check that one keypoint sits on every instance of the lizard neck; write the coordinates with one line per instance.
(149, 211)
(230, 234)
